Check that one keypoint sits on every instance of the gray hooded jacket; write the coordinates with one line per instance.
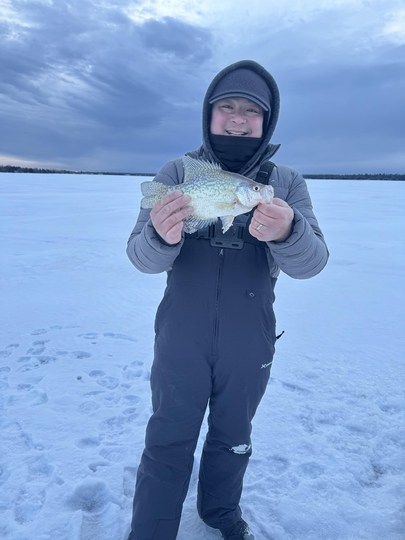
(303, 255)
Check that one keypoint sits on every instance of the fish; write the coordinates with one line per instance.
(214, 193)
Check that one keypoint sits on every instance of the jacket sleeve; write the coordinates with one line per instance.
(145, 249)
(304, 253)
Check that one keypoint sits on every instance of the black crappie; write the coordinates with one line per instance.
(214, 194)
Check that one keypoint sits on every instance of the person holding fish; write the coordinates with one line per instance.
(222, 221)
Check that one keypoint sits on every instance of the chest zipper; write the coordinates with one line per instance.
(219, 275)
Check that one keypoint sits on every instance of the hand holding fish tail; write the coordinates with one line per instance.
(168, 213)
(272, 222)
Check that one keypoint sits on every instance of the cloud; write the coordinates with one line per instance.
(173, 37)
(79, 80)
(102, 85)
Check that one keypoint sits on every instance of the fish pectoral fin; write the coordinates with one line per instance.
(193, 223)
(226, 222)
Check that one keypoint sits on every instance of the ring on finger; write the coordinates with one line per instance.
(259, 226)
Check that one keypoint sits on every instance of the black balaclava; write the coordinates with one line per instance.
(234, 152)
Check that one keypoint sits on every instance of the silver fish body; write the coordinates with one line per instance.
(214, 194)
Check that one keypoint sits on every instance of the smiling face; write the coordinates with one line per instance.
(237, 117)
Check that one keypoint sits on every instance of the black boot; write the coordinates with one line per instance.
(239, 531)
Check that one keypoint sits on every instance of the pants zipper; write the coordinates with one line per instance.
(218, 289)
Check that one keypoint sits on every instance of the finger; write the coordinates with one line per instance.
(168, 205)
(164, 226)
(256, 224)
(173, 236)
(261, 218)
(266, 213)
(167, 199)
(254, 231)
(280, 202)
(171, 196)
(176, 217)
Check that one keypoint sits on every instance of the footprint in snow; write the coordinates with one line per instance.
(28, 505)
(135, 371)
(81, 354)
(95, 465)
(131, 399)
(38, 347)
(114, 453)
(7, 351)
(277, 465)
(116, 426)
(100, 517)
(89, 335)
(93, 393)
(4, 473)
(88, 407)
(28, 395)
(90, 496)
(39, 468)
(39, 331)
(290, 387)
(111, 335)
(111, 399)
(133, 374)
(96, 373)
(14, 438)
(88, 442)
(311, 469)
(34, 362)
(108, 382)
(129, 481)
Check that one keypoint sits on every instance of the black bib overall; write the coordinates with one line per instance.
(215, 336)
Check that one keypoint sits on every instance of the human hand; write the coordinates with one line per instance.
(273, 221)
(168, 213)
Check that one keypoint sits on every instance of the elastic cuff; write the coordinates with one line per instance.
(164, 241)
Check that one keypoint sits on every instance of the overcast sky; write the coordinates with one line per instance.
(117, 85)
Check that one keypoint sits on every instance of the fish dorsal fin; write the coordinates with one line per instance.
(226, 222)
(197, 166)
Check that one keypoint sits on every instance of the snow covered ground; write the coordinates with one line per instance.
(76, 347)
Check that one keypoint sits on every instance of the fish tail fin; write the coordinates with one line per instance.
(152, 191)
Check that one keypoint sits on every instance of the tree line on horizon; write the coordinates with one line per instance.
(364, 176)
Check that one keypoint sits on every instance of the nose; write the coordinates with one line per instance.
(238, 117)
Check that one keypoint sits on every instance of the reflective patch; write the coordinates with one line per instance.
(241, 449)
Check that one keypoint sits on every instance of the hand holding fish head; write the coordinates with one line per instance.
(272, 222)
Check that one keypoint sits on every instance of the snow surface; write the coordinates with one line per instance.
(76, 348)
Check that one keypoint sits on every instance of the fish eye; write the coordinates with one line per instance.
(256, 188)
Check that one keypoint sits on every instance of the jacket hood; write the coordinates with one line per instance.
(265, 150)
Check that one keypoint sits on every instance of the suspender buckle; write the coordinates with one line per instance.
(232, 239)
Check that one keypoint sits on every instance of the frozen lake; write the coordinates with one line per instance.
(76, 341)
